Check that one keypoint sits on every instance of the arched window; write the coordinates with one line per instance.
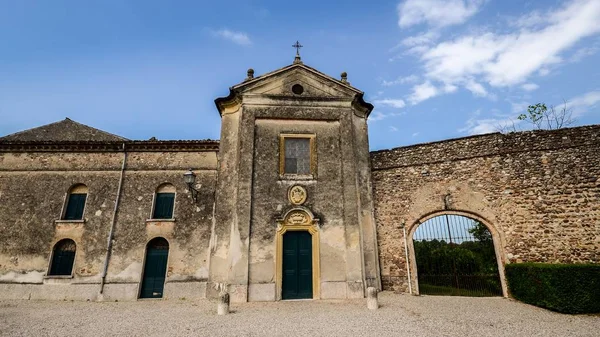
(75, 202)
(164, 201)
(63, 256)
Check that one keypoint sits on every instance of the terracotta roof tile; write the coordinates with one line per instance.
(66, 130)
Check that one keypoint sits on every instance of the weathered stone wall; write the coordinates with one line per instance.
(539, 191)
(252, 196)
(33, 188)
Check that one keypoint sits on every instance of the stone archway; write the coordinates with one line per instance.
(495, 236)
(298, 219)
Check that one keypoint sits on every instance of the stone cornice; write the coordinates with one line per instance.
(95, 146)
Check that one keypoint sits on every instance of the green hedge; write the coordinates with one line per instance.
(566, 288)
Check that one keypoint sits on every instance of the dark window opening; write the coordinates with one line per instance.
(63, 257)
(297, 156)
(75, 206)
(297, 89)
(163, 206)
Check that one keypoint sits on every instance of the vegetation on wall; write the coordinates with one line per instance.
(541, 117)
(566, 288)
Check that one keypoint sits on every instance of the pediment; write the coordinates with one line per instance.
(280, 83)
(313, 83)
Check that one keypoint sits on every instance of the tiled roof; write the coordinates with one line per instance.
(63, 131)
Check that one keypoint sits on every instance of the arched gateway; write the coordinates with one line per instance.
(454, 254)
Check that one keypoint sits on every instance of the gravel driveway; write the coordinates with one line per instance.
(399, 315)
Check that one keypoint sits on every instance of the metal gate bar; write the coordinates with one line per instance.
(455, 256)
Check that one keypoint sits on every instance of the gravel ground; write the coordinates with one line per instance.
(399, 315)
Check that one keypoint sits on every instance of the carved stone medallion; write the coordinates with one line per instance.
(297, 195)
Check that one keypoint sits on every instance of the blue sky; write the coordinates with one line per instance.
(434, 69)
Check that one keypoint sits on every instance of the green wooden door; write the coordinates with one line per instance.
(297, 265)
(155, 269)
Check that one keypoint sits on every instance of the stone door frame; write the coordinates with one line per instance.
(298, 219)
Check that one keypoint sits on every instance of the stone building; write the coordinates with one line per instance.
(288, 204)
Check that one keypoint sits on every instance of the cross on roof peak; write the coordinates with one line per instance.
(297, 45)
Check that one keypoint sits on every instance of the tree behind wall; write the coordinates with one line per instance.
(540, 117)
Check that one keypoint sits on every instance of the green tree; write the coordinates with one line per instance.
(480, 232)
(542, 117)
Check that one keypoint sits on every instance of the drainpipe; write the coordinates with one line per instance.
(112, 224)
(406, 254)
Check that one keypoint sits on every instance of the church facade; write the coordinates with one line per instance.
(288, 204)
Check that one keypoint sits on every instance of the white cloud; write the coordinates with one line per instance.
(582, 53)
(377, 115)
(421, 39)
(476, 88)
(449, 88)
(394, 103)
(415, 134)
(581, 104)
(426, 90)
(400, 80)
(474, 126)
(519, 107)
(393, 128)
(530, 86)
(437, 13)
(423, 92)
(483, 126)
(506, 59)
(240, 38)
(533, 19)
(544, 71)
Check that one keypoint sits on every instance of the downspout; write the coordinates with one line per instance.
(406, 254)
(112, 224)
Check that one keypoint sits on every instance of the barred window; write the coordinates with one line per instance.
(297, 155)
(63, 256)
(75, 202)
(164, 202)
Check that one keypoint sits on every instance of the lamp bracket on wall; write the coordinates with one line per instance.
(190, 178)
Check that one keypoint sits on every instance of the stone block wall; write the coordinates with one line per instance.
(539, 191)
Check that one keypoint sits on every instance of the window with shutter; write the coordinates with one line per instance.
(75, 206)
(163, 206)
(63, 257)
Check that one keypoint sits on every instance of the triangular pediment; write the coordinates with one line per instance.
(66, 130)
(282, 83)
(313, 83)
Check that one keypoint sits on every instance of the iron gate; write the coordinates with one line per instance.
(455, 256)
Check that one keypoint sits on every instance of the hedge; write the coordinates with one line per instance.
(566, 288)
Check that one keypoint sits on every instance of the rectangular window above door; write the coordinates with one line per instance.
(297, 156)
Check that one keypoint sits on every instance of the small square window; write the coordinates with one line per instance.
(297, 155)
